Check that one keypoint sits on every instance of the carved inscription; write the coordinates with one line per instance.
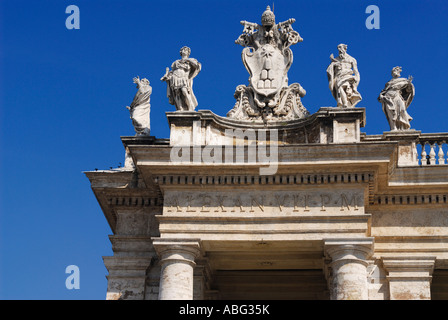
(264, 202)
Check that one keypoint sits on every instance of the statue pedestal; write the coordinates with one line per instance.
(407, 149)
(341, 125)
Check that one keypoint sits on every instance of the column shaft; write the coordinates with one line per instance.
(349, 268)
(177, 268)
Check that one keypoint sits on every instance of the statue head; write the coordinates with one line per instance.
(268, 18)
(396, 72)
(185, 52)
(342, 48)
(144, 82)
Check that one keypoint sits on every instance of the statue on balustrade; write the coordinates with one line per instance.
(180, 81)
(140, 107)
(395, 98)
(343, 78)
(267, 57)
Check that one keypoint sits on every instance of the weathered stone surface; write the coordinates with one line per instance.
(127, 277)
(348, 279)
(177, 268)
(409, 277)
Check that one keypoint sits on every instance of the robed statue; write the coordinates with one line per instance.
(396, 97)
(140, 107)
(343, 78)
(180, 81)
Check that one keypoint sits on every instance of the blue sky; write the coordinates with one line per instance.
(63, 95)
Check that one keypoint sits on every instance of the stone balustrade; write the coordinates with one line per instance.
(416, 148)
(432, 149)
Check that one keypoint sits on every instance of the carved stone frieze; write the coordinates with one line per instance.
(265, 202)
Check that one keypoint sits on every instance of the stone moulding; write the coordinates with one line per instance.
(192, 245)
(276, 179)
(409, 277)
(270, 228)
(230, 123)
(134, 201)
(365, 245)
(327, 125)
(411, 199)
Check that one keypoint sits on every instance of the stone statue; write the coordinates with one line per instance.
(343, 78)
(267, 57)
(180, 81)
(140, 107)
(396, 97)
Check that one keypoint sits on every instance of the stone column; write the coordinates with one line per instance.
(348, 280)
(177, 267)
(409, 277)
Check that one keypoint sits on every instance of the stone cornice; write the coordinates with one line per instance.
(127, 263)
(326, 113)
(409, 268)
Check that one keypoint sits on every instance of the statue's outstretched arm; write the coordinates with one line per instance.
(136, 80)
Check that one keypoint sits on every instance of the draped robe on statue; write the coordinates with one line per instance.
(341, 77)
(396, 98)
(140, 108)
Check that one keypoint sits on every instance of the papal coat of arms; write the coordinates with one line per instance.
(267, 57)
